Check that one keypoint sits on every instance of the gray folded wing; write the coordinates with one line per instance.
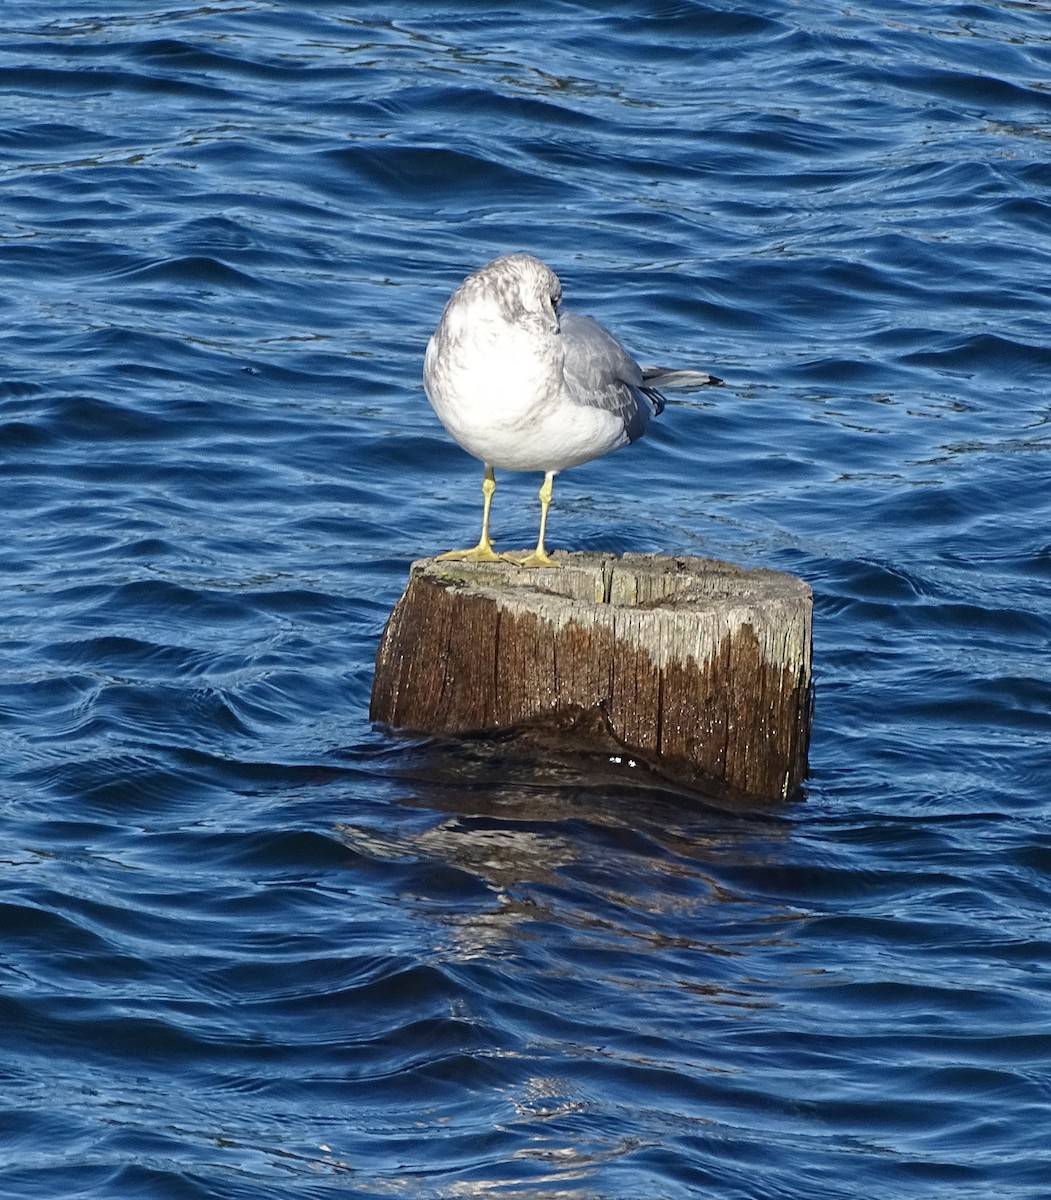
(600, 373)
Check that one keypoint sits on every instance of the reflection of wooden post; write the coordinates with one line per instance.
(699, 668)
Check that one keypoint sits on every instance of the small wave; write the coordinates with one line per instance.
(97, 81)
(440, 171)
(983, 352)
(195, 270)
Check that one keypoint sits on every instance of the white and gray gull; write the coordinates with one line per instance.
(525, 386)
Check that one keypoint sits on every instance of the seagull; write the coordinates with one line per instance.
(523, 385)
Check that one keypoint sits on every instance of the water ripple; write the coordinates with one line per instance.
(254, 947)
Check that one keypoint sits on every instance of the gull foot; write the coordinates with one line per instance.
(483, 552)
(538, 558)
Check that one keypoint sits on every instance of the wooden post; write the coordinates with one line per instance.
(698, 668)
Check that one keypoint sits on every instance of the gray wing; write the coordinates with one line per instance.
(600, 373)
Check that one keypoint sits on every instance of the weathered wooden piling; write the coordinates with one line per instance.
(699, 668)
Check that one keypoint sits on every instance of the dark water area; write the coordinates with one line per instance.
(251, 946)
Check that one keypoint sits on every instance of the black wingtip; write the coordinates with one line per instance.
(655, 398)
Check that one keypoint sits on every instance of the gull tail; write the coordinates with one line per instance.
(668, 377)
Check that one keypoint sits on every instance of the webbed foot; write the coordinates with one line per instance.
(483, 552)
(538, 558)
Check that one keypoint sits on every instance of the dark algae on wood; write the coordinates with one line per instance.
(699, 668)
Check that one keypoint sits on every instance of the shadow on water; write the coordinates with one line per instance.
(538, 773)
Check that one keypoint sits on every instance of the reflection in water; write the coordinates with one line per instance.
(608, 857)
(503, 857)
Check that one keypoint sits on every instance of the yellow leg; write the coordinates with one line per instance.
(540, 557)
(484, 551)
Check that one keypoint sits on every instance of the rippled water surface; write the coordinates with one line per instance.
(253, 947)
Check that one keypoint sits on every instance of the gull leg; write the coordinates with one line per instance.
(540, 557)
(484, 551)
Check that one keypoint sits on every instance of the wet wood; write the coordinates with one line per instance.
(699, 668)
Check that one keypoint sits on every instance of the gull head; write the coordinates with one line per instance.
(524, 290)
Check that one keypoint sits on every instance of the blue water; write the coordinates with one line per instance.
(251, 946)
